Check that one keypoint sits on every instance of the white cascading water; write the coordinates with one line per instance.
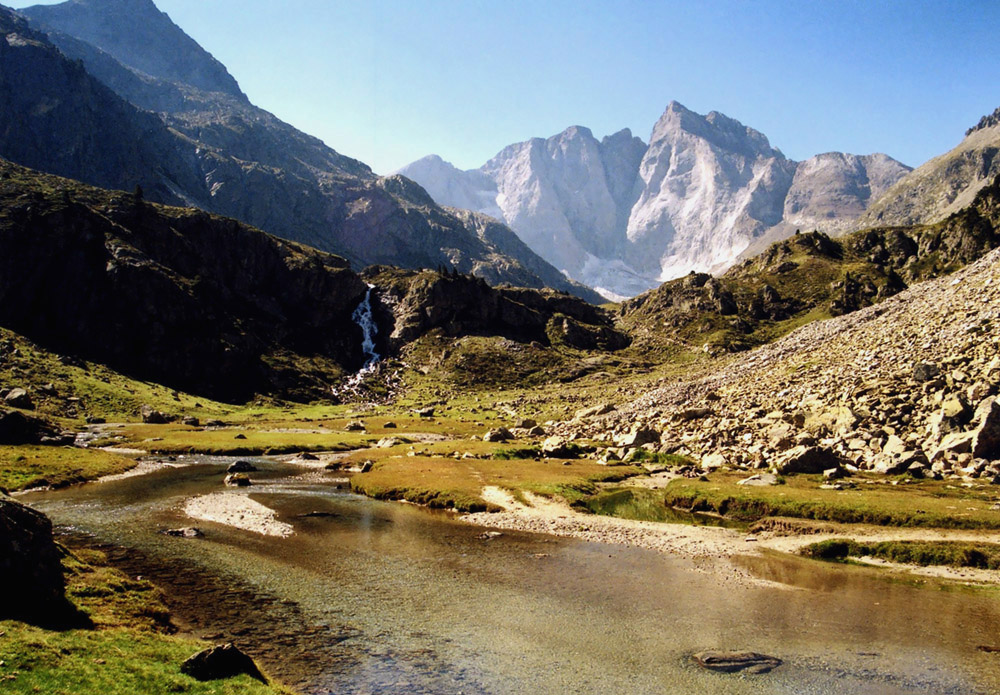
(366, 321)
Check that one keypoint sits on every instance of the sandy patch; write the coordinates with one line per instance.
(542, 515)
(237, 510)
(124, 451)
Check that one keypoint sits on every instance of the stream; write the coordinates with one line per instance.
(378, 597)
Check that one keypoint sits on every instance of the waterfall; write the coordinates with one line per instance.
(366, 321)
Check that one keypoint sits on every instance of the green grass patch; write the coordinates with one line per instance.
(644, 505)
(924, 553)
(924, 504)
(447, 482)
(27, 466)
(525, 452)
(116, 661)
(129, 650)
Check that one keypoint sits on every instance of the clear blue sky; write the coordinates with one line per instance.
(388, 81)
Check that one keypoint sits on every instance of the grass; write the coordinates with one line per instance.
(442, 481)
(128, 651)
(515, 453)
(924, 553)
(25, 466)
(643, 505)
(923, 504)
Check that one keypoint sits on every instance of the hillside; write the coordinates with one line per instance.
(945, 184)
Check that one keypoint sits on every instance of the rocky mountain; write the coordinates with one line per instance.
(165, 115)
(944, 184)
(622, 216)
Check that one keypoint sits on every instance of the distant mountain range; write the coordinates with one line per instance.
(116, 95)
(623, 216)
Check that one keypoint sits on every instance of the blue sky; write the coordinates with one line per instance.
(388, 81)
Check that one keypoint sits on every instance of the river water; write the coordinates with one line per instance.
(373, 597)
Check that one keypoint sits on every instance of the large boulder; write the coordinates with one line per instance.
(221, 661)
(32, 587)
(19, 398)
(986, 436)
(637, 437)
(151, 416)
(808, 459)
(19, 428)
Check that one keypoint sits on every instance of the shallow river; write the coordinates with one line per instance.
(372, 597)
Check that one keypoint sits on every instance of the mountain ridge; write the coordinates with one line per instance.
(623, 215)
(216, 151)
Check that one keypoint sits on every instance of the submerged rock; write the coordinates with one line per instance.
(221, 661)
(731, 662)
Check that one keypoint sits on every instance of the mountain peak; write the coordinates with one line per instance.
(137, 34)
(986, 121)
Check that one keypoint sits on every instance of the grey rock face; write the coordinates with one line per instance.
(622, 216)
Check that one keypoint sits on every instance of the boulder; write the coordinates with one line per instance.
(637, 437)
(354, 426)
(897, 464)
(558, 447)
(925, 371)
(759, 480)
(499, 434)
(238, 480)
(31, 575)
(732, 662)
(986, 435)
(221, 661)
(808, 459)
(151, 416)
(388, 442)
(18, 428)
(954, 443)
(594, 411)
(19, 398)
(424, 412)
(390, 425)
(536, 431)
(190, 421)
(526, 423)
(306, 456)
(713, 461)
(241, 467)
(187, 532)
